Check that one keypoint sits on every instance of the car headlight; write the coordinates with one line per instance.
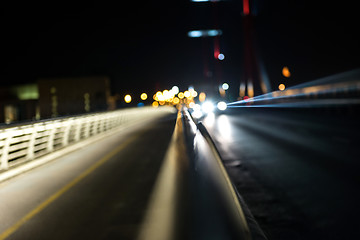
(222, 106)
(207, 107)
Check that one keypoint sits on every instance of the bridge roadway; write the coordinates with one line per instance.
(298, 173)
(98, 192)
(297, 169)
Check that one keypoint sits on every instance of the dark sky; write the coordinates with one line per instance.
(143, 45)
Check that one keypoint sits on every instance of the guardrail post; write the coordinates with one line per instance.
(50, 145)
(119, 120)
(87, 128)
(112, 122)
(5, 151)
(95, 127)
(50, 142)
(101, 125)
(65, 140)
(31, 145)
(78, 129)
(106, 123)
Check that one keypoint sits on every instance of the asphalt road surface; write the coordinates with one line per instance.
(298, 171)
(98, 192)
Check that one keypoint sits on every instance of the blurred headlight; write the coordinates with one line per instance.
(222, 106)
(207, 107)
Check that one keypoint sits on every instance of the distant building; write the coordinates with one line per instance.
(55, 97)
(19, 102)
(68, 96)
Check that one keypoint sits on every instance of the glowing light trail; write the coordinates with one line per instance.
(341, 89)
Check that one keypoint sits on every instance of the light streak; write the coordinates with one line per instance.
(305, 104)
(340, 89)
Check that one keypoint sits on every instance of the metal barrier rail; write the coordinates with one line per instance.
(193, 197)
(29, 141)
(231, 220)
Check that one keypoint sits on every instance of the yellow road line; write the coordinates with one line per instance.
(63, 190)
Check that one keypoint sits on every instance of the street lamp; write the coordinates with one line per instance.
(222, 89)
(281, 87)
(221, 56)
(225, 86)
(143, 96)
(127, 98)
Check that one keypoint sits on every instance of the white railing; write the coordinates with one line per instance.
(26, 142)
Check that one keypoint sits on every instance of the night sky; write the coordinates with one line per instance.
(143, 45)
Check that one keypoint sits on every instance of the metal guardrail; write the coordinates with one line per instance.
(208, 158)
(29, 141)
(231, 220)
(193, 197)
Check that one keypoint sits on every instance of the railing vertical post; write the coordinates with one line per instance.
(78, 129)
(5, 151)
(95, 126)
(120, 119)
(65, 140)
(87, 128)
(50, 142)
(101, 125)
(31, 146)
(106, 123)
(111, 122)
